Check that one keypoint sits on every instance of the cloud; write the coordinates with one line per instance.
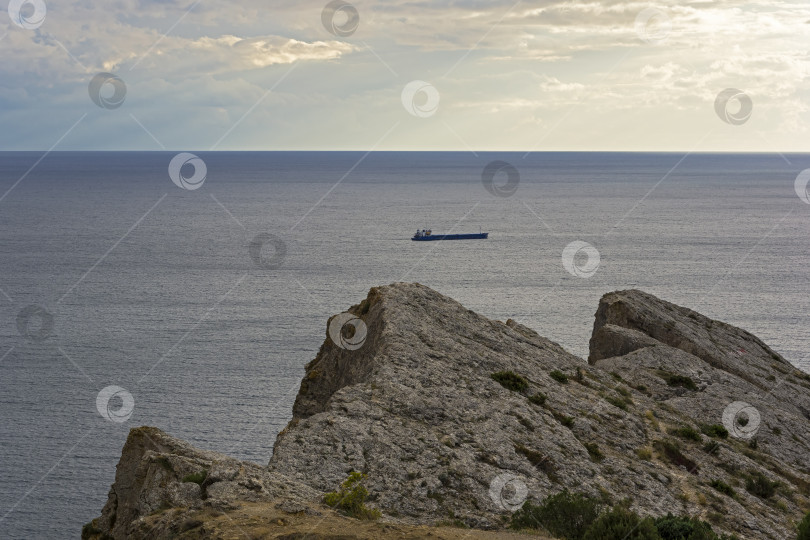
(230, 54)
(506, 72)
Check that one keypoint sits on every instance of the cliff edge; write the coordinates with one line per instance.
(456, 418)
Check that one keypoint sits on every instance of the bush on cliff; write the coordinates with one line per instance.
(575, 516)
(622, 524)
(673, 379)
(685, 528)
(759, 485)
(671, 450)
(198, 477)
(566, 515)
(538, 399)
(687, 432)
(722, 487)
(559, 376)
(511, 381)
(714, 430)
(804, 528)
(351, 498)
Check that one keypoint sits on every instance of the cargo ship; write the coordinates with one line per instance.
(426, 235)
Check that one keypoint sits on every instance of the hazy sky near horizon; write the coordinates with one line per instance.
(550, 75)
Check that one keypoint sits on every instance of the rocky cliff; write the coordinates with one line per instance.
(457, 418)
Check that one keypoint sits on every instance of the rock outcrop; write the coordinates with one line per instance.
(457, 418)
(158, 473)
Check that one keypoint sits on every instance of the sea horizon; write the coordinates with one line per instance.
(411, 151)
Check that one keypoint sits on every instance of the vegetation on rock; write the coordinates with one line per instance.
(511, 381)
(722, 487)
(559, 376)
(687, 432)
(672, 452)
(566, 515)
(197, 478)
(673, 379)
(804, 528)
(714, 430)
(671, 527)
(622, 524)
(575, 516)
(594, 451)
(538, 459)
(351, 498)
(759, 485)
(538, 399)
(711, 447)
(617, 402)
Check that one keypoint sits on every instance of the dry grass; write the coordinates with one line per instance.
(263, 520)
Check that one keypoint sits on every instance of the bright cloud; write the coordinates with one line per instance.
(550, 75)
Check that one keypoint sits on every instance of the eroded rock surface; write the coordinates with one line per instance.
(158, 472)
(417, 409)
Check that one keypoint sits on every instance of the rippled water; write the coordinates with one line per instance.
(152, 288)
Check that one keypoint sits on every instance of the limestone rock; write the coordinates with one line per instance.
(419, 409)
(157, 473)
(610, 340)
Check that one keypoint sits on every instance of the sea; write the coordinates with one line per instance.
(189, 292)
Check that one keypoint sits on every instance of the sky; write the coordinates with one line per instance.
(404, 75)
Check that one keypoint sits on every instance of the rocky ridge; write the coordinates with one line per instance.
(418, 409)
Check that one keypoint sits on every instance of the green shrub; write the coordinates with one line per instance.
(559, 376)
(594, 451)
(90, 530)
(714, 430)
(711, 447)
(644, 453)
(684, 528)
(574, 516)
(197, 478)
(804, 528)
(457, 523)
(567, 421)
(511, 381)
(534, 457)
(622, 524)
(538, 399)
(671, 527)
(539, 460)
(722, 487)
(758, 484)
(672, 451)
(616, 402)
(565, 515)
(351, 498)
(673, 379)
(686, 432)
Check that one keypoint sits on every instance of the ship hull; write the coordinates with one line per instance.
(476, 236)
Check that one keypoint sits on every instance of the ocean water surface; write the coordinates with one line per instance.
(153, 289)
